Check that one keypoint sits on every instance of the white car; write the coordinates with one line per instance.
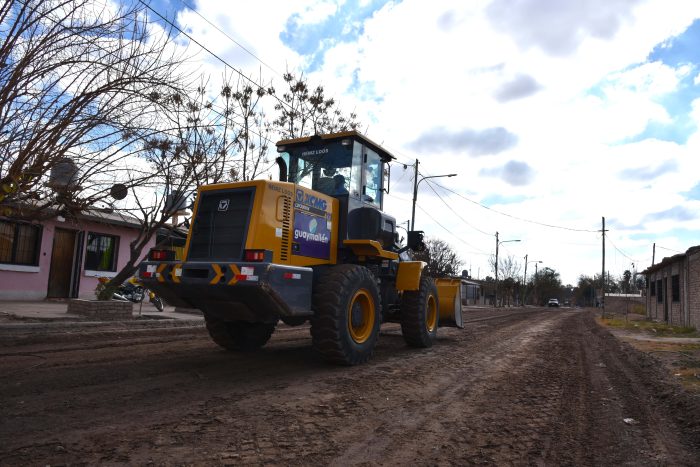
(553, 302)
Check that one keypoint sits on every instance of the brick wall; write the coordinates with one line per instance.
(103, 310)
(686, 310)
(694, 289)
(621, 305)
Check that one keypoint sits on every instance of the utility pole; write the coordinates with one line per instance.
(415, 195)
(416, 182)
(535, 288)
(653, 254)
(496, 267)
(525, 282)
(602, 273)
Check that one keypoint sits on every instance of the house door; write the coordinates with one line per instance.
(62, 256)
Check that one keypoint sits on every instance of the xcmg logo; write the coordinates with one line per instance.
(311, 200)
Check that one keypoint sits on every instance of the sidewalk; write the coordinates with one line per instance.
(49, 314)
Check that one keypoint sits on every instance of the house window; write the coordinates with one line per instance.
(652, 288)
(675, 289)
(19, 243)
(101, 252)
(659, 292)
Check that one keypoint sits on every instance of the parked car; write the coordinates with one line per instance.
(553, 302)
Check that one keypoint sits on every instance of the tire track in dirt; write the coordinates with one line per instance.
(623, 390)
(540, 387)
(440, 427)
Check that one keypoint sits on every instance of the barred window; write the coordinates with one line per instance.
(675, 289)
(101, 252)
(652, 288)
(659, 292)
(19, 243)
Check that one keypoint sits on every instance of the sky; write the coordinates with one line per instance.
(552, 114)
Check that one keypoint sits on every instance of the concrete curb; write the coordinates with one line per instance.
(62, 326)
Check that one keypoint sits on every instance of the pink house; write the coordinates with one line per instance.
(62, 258)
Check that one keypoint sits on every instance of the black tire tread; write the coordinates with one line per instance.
(239, 335)
(413, 304)
(327, 323)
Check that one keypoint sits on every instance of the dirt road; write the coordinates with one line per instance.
(539, 387)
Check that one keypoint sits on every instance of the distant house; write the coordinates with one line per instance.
(673, 289)
(63, 258)
(471, 292)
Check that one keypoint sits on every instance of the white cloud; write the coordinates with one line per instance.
(570, 80)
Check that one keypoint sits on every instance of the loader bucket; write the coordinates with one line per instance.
(450, 300)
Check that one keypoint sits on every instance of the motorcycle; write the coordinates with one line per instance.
(133, 291)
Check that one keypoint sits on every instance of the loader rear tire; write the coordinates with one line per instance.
(420, 314)
(347, 314)
(239, 336)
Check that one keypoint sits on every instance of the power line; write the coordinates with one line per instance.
(620, 251)
(455, 212)
(480, 252)
(515, 217)
(229, 37)
(177, 28)
(669, 249)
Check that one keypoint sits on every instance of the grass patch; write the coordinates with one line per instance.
(663, 346)
(689, 378)
(650, 327)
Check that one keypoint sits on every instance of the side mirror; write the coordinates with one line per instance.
(387, 178)
(416, 240)
(283, 168)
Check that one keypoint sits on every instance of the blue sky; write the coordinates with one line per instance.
(313, 40)
(678, 51)
(554, 113)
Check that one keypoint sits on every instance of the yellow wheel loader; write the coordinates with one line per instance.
(314, 246)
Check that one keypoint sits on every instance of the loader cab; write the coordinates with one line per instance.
(349, 167)
(337, 165)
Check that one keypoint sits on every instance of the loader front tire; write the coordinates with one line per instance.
(347, 317)
(239, 336)
(419, 314)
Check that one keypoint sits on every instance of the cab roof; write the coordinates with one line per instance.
(383, 153)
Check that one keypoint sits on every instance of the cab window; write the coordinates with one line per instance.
(356, 175)
(372, 178)
(326, 169)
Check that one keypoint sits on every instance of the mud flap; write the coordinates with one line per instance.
(450, 300)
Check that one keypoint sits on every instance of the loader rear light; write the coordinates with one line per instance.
(149, 272)
(254, 255)
(161, 255)
(291, 275)
(243, 277)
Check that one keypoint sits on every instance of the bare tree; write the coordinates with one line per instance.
(194, 148)
(206, 139)
(251, 128)
(508, 278)
(303, 112)
(81, 83)
(441, 258)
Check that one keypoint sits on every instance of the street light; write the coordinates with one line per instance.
(416, 181)
(498, 243)
(525, 278)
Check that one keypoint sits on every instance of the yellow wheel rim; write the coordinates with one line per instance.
(361, 316)
(431, 314)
